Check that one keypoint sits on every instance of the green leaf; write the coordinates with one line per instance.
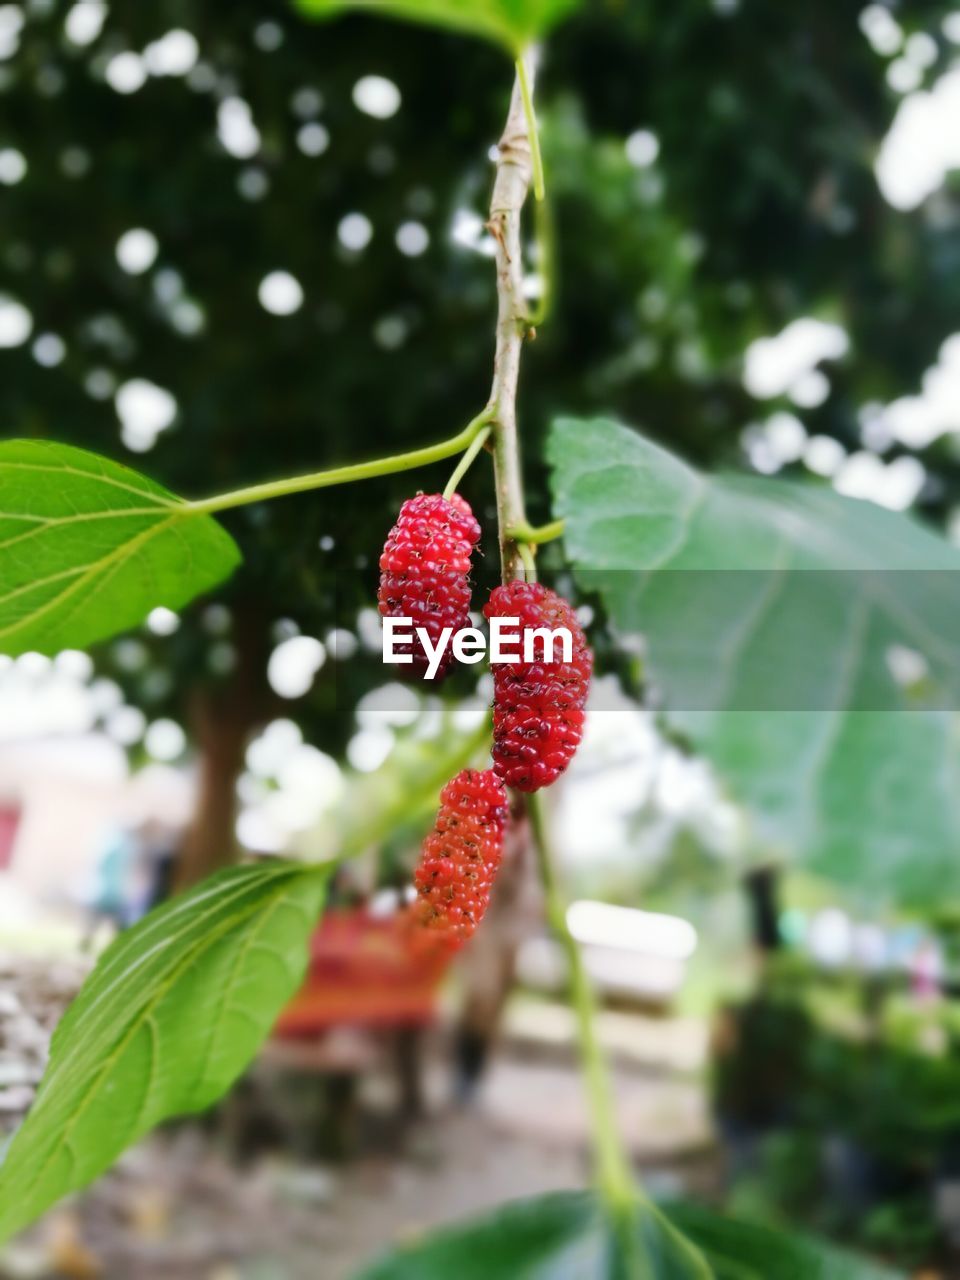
(741, 1251)
(780, 678)
(566, 1236)
(513, 23)
(557, 1237)
(88, 547)
(173, 1012)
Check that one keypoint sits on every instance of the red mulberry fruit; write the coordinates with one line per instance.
(461, 856)
(425, 573)
(538, 707)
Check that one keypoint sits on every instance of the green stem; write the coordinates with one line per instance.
(533, 133)
(535, 534)
(527, 559)
(346, 475)
(463, 466)
(409, 800)
(546, 262)
(614, 1173)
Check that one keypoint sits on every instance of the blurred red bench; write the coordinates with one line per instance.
(9, 822)
(363, 973)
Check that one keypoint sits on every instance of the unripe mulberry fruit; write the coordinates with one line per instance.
(538, 707)
(425, 572)
(460, 857)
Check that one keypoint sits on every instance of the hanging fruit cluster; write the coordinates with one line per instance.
(538, 705)
(425, 571)
(461, 856)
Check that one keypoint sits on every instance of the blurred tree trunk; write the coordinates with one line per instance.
(222, 718)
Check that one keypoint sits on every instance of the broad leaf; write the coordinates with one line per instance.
(88, 547)
(556, 1237)
(565, 1236)
(513, 23)
(741, 1251)
(170, 1016)
(771, 612)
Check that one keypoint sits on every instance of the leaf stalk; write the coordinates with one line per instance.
(346, 475)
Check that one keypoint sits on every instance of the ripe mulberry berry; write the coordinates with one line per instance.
(538, 707)
(425, 572)
(461, 856)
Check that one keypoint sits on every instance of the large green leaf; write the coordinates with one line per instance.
(170, 1016)
(513, 23)
(741, 1251)
(770, 611)
(565, 1236)
(88, 547)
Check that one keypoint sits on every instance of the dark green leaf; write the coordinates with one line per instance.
(566, 1236)
(170, 1016)
(513, 23)
(782, 678)
(88, 547)
(550, 1237)
(740, 1251)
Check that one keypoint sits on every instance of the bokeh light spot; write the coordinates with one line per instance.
(280, 293)
(376, 96)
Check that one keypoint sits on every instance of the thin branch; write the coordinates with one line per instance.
(514, 173)
(345, 475)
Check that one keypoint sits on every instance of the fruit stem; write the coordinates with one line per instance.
(528, 559)
(463, 466)
(535, 534)
(345, 475)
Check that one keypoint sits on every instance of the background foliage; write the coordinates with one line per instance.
(768, 120)
(700, 235)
